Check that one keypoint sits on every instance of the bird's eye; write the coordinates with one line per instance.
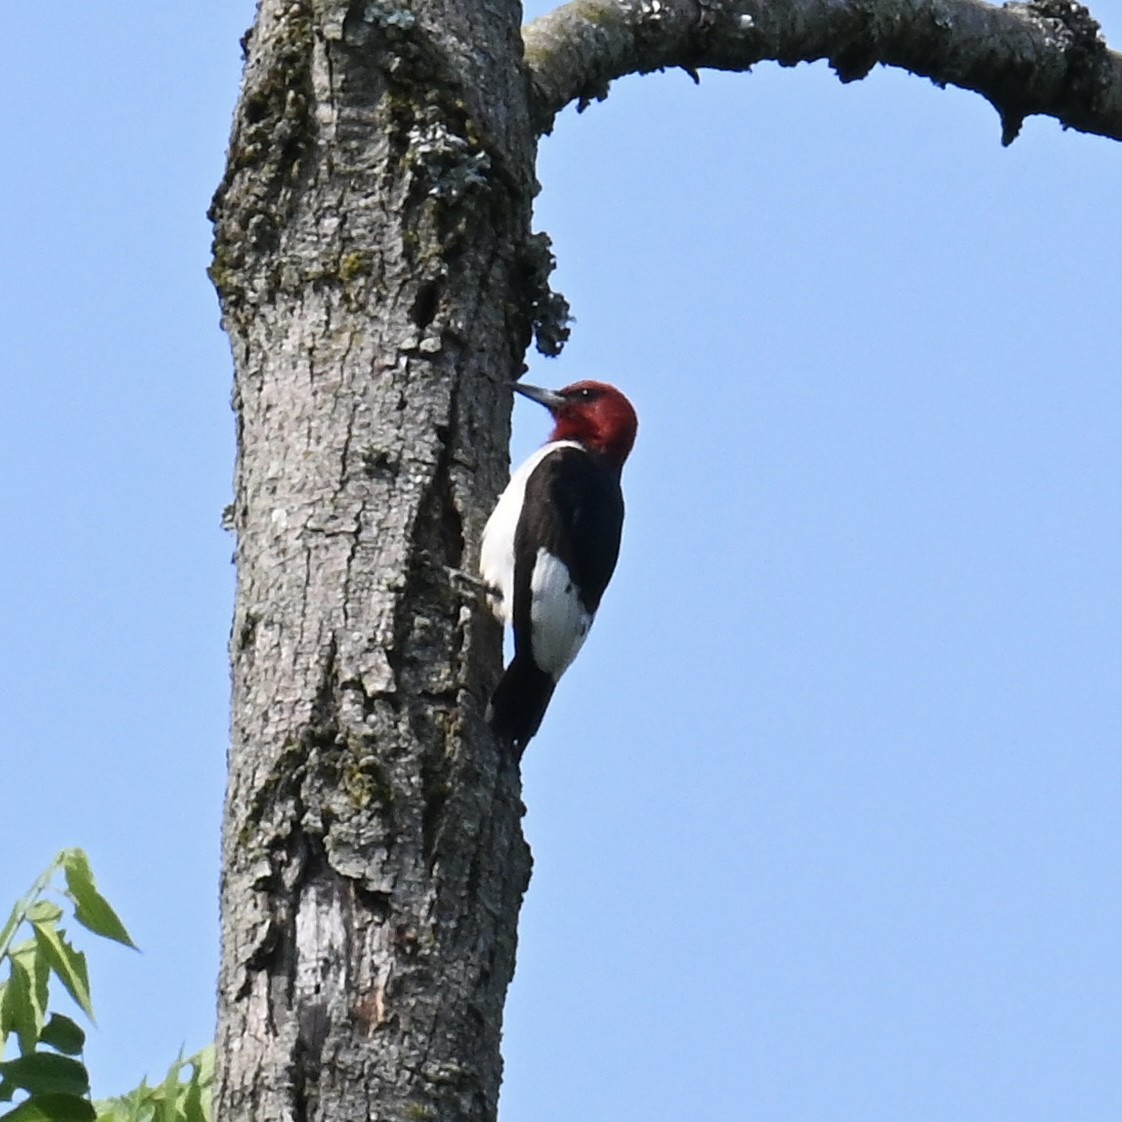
(586, 394)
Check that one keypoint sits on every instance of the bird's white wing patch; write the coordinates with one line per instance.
(558, 620)
(496, 553)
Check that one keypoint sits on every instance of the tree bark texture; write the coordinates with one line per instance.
(1046, 56)
(377, 279)
(380, 283)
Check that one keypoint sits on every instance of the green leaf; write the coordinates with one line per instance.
(17, 1014)
(204, 1064)
(10, 924)
(68, 964)
(23, 1008)
(196, 1108)
(166, 1108)
(62, 1033)
(118, 1110)
(14, 921)
(7, 1013)
(114, 1110)
(181, 1097)
(19, 912)
(197, 1100)
(91, 909)
(52, 1108)
(43, 911)
(133, 1107)
(45, 1073)
(28, 956)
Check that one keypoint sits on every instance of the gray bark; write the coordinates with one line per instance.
(379, 284)
(1046, 56)
(375, 268)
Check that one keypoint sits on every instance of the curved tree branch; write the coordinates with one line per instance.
(1046, 56)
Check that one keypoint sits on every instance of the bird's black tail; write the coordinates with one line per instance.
(520, 701)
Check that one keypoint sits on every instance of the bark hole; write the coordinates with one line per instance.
(424, 307)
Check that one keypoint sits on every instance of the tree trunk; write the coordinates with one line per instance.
(378, 282)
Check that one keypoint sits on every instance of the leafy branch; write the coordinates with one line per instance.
(180, 1098)
(49, 1074)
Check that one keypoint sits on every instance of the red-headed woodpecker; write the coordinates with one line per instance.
(550, 546)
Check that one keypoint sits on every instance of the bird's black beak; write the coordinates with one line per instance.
(548, 398)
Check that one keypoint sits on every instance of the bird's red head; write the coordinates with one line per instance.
(593, 414)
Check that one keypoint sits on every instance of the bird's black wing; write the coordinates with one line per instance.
(574, 509)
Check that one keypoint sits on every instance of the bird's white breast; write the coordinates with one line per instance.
(559, 622)
(496, 554)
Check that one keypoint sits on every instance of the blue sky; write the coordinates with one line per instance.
(826, 816)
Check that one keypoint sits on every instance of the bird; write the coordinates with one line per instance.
(551, 545)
